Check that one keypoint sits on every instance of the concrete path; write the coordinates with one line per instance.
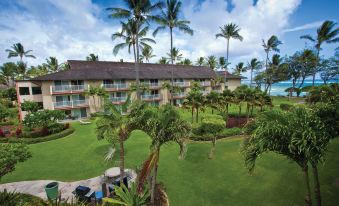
(36, 187)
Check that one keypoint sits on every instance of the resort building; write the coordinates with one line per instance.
(66, 90)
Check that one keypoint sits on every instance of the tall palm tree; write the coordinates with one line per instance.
(174, 55)
(169, 17)
(139, 11)
(200, 61)
(195, 100)
(253, 65)
(21, 70)
(222, 63)
(212, 100)
(7, 72)
(52, 64)
(19, 51)
(239, 68)
(325, 33)
(146, 54)
(229, 31)
(271, 45)
(92, 57)
(211, 61)
(163, 125)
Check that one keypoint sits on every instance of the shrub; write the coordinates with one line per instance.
(286, 107)
(30, 106)
(226, 132)
(18, 132)
(55, 128)
(43, 118)
(2, 134)
(66, 126)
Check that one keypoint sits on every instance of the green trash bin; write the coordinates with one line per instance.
(52, 190)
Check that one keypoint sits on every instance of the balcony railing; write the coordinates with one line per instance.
(181, 84)
(219, 91)
(118, 99)
(150, 97)
(205, 84)
(72, 104)
(67, 88)
(205, 92)
(115, 86)
(151, 84)
(180, 95)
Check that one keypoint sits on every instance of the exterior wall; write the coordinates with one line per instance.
(29, 97)
(48, 97)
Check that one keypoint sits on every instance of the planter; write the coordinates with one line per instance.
(52, 190)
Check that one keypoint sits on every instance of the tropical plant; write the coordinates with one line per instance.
(174, 55)
(112, 126)
(129, 196)
(10, 155)
(200, 61)
(92, 57)
(21, 70)
(211, 62)
(239, 68)
(329, 69)
(222, 63)
(163, 125)
(8, 73)
(186, 61)
(43, 118)
(138, 12)
(277, 71)
(271, 45)
(328, 33)
(163, 60)
(29, 106)
(253, 65)
(52, 64)
(212, 100)
(229, 31)
(195, 100)
(98, 95)
(19, 51)
(146, 54)
(36, 71)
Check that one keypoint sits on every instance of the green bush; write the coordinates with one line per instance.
(38, 139)
(55, 128)
(286, 107)
(226, 132)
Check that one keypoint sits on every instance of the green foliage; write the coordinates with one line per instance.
(329, 115)
(10, 155)
(55, 127)
(9, 93)
(3, 113)
(286, 107)
(324, 93)
(19, 199)
(30, 106)
(198, 135)
(43, 118)
(34, 140)
(129, 196)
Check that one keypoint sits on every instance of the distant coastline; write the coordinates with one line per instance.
(278, 89)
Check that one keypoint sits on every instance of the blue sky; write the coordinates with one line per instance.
(71, 29)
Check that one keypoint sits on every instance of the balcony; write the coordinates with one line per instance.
(181, 84)
(118, 100)
(115, 87)
(151, 97)
(70, 104)
(66, 89)
(205, 92)
(152, 85)
(205, 84)
(179, 95)
(219, 91)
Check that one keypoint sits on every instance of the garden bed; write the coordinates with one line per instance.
(35, 140)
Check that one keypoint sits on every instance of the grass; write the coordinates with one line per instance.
(193, 181)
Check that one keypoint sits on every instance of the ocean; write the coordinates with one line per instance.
(278, 89)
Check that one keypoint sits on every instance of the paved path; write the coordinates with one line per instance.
(36, 187)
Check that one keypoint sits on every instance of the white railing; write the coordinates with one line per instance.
(180, 95)
(205, 92)
(205, 84)
(218, 91)
(115, 86)
(181, 84)
(68, 88)
(150, 96)
(73, 103)
(118, 99)
(151, 84)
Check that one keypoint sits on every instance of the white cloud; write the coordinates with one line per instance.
(71, 29)
(304, 27)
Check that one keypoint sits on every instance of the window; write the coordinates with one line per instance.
(77, 82)
(24, 91)
(36, 90)
(108, 82)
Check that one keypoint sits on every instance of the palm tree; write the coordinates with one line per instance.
(186, 61)
(174, 55)
(52, 64)
(163, 60)
(97, 93)
(21, 70)
(211, 61)
(229, 31)
(239, 68)
(194, 100)
(169, 17)
(7, 72)
(146, 54)
(19, 51)
(212, 100)
(326, 33)
(36, 71)
(222, 63)
(253, 65)
(163, 125)
(92, 57)
(271, 45)
(128, 34)
(138, 11)
(112, 126)
(200, 61)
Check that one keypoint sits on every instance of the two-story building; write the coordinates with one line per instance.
(66, 90)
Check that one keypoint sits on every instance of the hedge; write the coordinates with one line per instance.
(61, 134)
(227, 132)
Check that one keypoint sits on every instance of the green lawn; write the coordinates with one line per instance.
(193, 181)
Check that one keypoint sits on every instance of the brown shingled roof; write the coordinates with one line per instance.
(229, 75)
(99, 70)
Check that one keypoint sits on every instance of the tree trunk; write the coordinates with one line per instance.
(251, 78)
(197, 115)
(211, 155)
(308, 200)
(227, 109)
(239, 114)
(172, 69)
(266, 68)
(122, 160)
(137, 63)
(316, 183)
(313, 78)
(192, 114)
(154, 179)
